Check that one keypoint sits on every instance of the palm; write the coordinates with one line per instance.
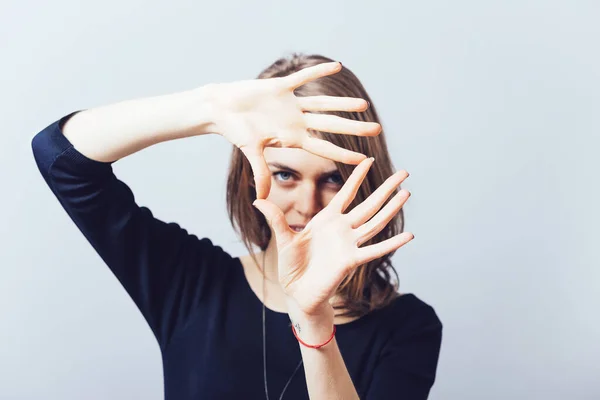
(256, 104)
(254, 114)
(313, 263)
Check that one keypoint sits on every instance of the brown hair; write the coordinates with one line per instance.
(369, 286)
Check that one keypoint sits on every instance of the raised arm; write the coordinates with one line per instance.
(114, 131)
(251, 114)
(167, 271)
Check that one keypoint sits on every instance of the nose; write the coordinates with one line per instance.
(308, 201)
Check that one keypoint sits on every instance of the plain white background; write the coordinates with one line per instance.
(493, 107)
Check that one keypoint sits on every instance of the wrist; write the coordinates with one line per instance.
(204, 111)
(315, 328)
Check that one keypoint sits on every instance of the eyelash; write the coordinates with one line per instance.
(330, 176)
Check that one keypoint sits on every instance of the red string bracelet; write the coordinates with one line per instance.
(311, 346)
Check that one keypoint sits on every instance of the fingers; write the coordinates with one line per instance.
(344, 197)
(369, 253)
(364, 211)
(379, 221)
(329, 150)
(262, 174)
(308, 74)
(335, 124)
(332, 103)
(276, 220)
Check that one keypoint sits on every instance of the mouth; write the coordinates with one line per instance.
(297, 228)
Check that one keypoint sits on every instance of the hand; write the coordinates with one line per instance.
(312, 263)
(254, 114)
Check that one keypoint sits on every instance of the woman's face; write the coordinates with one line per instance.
(302, 183)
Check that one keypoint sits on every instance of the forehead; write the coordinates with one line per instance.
(299, 159)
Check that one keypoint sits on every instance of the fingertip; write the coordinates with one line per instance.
(358, 159)
(367, 160)
(378, 128)
(335, 66)
(263, 186)
(365, 105)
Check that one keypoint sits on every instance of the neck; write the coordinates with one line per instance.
(271, 269)
(268, 274)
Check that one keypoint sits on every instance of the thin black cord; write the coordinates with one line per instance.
(265, 344)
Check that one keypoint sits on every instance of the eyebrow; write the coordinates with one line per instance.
(285, 167)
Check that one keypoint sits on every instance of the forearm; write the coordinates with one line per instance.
(326, 374)
(110, 132)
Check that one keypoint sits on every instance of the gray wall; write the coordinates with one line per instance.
(491, 106)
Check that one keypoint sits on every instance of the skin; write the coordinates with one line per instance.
(300, 196)
(309, 265)
(263, 118)
(302, 185)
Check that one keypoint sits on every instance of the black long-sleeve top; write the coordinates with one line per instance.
(201, 309)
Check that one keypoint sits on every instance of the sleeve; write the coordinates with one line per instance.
(407, 365)
(164, 269)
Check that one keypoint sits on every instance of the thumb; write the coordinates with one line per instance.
(275, 219)
(262, 174)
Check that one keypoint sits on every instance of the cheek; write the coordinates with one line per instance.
(284, 198)
(280, 197)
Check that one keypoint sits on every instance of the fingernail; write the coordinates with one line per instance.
(369, 103)
(341, 64)
(372, 159)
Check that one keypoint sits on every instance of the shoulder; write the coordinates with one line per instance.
(412, 306)
(408, 315)
(410, 350)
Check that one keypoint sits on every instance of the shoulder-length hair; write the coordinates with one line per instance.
(369, 286)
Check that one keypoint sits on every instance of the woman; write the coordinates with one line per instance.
(315, 314)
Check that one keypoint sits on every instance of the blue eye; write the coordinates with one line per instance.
(285, 176)
(337, 178)
(280, 174)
